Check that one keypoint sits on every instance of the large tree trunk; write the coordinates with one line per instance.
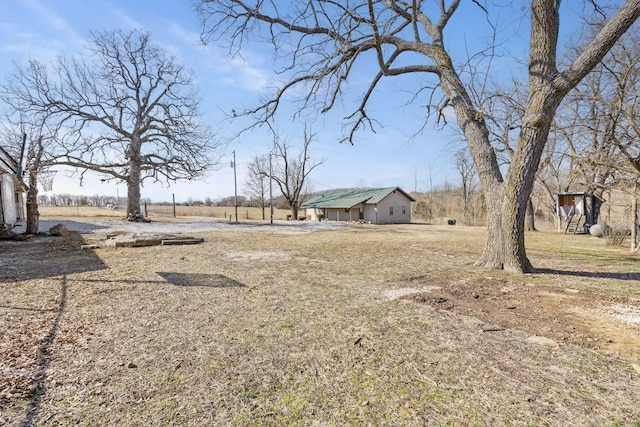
(294, 211)
(507, 201)
(634, 223)
(521, 175)
(530, 218)
(545, 94)
(133, 191)
(33, 215)
(475, 130)
(133, 179)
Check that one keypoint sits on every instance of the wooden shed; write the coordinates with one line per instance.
(576, 211)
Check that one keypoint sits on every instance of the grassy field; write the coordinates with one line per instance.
(263, 328)
(162, 212)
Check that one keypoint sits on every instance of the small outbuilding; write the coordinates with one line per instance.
(12, 189)
(576, 211)
(390, 205)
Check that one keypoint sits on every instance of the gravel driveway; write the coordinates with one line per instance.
(87, 226)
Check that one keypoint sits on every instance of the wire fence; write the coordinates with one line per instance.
(222, 212)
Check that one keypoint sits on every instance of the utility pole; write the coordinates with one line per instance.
(634, 219)
(235, 185)
(270, 191)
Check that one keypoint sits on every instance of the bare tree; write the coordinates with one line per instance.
(257, 184)
(132, 114)
(464, 166)
(587, 129)
(605, 109)
(619, 98)
(291, 169)
(328, 38)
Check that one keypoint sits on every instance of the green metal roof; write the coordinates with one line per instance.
(344, 199)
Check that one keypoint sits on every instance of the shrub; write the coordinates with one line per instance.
(614, 236)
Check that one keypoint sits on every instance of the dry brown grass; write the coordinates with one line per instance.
(259, 328)
(161, 212)
(224, 212)
(65, 212)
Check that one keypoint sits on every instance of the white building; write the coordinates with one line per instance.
(390, 205)
(12, 200)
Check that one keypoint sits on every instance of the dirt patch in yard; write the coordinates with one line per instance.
(566, 315)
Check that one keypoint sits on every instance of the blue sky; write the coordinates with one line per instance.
(43, 29)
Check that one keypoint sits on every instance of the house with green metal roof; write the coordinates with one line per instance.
(390, 205)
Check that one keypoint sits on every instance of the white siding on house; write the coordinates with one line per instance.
(355, 213)
(312, 213)
(8, 201)
(370, 214)
(395, 200)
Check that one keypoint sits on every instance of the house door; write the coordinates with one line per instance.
(19, 207)
(361, 214)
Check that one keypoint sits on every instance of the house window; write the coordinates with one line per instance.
(390, 210)
(404, 210)
(346, 210)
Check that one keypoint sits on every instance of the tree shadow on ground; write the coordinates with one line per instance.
(592, 274)
(46, 257)
(44, 360)
(39, 383)
(205, 280)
